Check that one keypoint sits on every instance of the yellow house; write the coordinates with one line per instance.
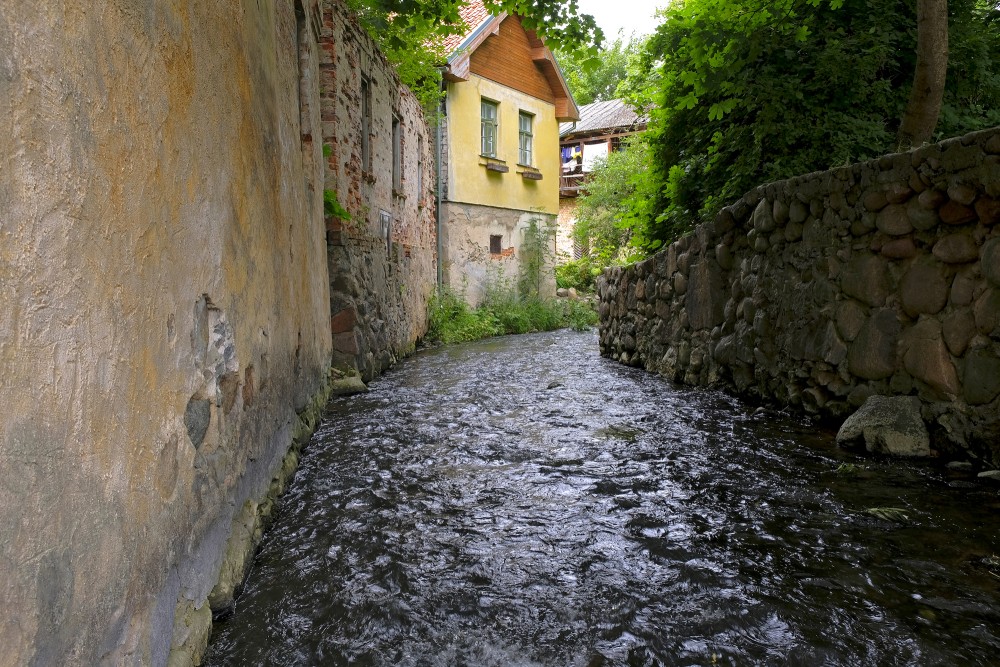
(505, 98)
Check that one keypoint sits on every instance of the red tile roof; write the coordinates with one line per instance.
(473, 14)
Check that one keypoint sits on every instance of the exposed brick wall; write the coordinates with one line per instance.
(380, 284)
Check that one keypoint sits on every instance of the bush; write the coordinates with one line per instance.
(578, 273)
(503, 312)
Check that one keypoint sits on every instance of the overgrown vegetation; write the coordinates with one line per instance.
(608, 212)
(504, 312)
(743, 92)
(579, 274)
(596, 79)
(511, 306)
(411, 34)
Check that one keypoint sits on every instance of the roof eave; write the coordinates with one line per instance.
(457, 67)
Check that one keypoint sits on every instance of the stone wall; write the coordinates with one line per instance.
(819, 291)
(165, 309)
(381, 260)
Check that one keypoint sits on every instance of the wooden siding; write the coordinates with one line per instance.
(507, 59)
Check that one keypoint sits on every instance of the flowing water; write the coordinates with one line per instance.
(521, 501)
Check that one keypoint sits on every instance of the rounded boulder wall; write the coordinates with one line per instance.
(956, 249)
(866, 278)
(926, 358)
(982, 377)
(991, 261)
(872, 354)
(894, 221)
(924, 289)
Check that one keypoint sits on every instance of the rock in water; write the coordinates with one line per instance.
(348, 386)
(887, 425)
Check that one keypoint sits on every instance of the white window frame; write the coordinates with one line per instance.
(525, 138)
(489, 127)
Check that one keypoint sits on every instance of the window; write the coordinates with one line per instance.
(420, 168)
(524, 123)
(489, 128)
(496, 244)
(397, 153)
(366, 124)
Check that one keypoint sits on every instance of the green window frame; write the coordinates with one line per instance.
(488, 116)
(525, 126)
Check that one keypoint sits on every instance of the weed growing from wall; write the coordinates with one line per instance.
(535, 257)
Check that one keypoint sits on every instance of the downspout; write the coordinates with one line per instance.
(437, 207)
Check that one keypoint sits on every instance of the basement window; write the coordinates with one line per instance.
(496, 244)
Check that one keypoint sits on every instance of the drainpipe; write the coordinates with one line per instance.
(437, 208)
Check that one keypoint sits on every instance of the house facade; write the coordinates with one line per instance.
(601, 129)
(505, 98)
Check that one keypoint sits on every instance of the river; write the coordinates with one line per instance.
(522, 501)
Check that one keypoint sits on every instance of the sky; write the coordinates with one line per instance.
(631, 15)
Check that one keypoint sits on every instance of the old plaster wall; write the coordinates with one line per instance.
(819, 291)
(470, 268)
(165, 307)
(382, 261)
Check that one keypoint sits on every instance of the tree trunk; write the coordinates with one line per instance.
(924, 106)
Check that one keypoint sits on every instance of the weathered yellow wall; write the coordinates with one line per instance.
(162, 263)
(469, 181)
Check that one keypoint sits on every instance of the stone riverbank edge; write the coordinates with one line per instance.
(822, 291)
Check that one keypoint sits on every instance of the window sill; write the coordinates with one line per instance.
(398, 193)
(493, 164)
(368, 176)
(529, 173)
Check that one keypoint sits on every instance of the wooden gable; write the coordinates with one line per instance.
(507, 58)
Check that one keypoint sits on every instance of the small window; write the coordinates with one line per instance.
(366, 124)
(496, 244)
(524, 125)
(397, 153)
(489, 128)
(420, 168)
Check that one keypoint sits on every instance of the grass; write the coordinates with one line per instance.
(503, 312)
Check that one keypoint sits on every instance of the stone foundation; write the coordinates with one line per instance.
(470, 266)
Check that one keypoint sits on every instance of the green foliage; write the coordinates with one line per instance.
(534, 257)
(607, 213)
(333, 207)
(595, 78)
(411, 34)
(503, 312)
(579, 274)
(451, 320)
(742, 92)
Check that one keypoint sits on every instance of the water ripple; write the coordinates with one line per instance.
(523, 502)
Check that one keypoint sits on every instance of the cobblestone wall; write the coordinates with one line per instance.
(819, 291)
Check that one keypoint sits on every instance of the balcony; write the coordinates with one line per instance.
(570, 185)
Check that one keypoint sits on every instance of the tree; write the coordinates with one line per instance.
(742, 92)
(596, 79)
(605, 219)
(927, 93)
(411, 33)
